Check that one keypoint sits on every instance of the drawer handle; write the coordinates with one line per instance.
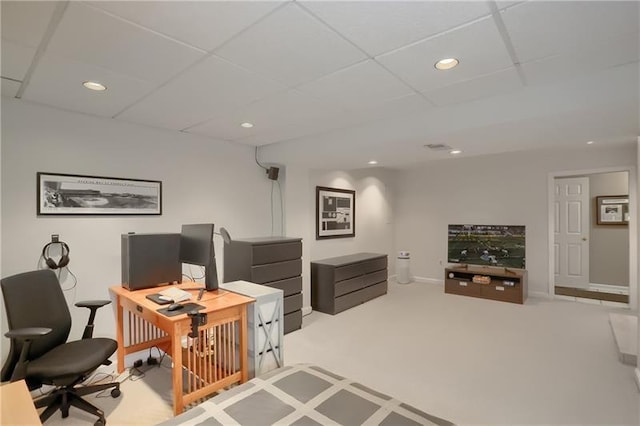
(138, 308)
(499, 288)
(463, 283)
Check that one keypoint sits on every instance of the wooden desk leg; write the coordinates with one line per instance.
(120, 335)
(244, 361)
(176, 371)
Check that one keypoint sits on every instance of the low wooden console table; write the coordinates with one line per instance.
(504, 284)
(216, 358)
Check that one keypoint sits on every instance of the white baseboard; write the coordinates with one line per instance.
(306, 310)
(606, 288)
(637, 375)
(540, 294)
(435, 281)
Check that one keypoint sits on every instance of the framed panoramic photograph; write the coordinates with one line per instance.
(612, 209)
(62, 194)
(335, 213)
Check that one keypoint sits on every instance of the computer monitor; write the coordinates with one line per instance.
(196, 248)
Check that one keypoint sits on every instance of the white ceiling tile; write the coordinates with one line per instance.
(10, 88)
(274, 112)
(59, 83)
(493, 84)
(477, 46)
(392, 108)
(16, 59)
(92, 36)
(208, 90)
(380, 26)
(359, 85)
(203, 24)
(599, 55)
(290, 46)
(25, 22)
(544, 28)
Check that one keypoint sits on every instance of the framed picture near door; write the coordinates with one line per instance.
(612, 209)
(335, 213)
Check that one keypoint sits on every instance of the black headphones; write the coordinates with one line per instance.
(64, 258)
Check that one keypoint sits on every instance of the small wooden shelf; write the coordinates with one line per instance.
(506, 284)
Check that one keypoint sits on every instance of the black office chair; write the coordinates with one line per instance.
(39, 325)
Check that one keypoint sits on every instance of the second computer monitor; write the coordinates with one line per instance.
(196, 248)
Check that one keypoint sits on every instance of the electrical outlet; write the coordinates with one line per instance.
(137, 363)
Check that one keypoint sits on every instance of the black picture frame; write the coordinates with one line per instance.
(73, 195)
(335, 213)
(612, 209)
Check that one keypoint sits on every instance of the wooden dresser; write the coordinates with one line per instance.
(272, 261)
(340, 283)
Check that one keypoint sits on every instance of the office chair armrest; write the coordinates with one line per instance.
(27, 334)
(93, 306)
(92, 303)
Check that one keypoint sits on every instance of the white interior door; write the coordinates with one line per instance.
(571, 230)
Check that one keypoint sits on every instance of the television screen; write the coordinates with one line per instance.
(487, 245)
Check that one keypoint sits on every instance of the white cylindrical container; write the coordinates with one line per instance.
(403, 274)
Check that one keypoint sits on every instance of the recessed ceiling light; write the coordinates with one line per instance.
(373, 162)
(247, 125)
(590, 143)
(446, 64)
(455, 151)
(94, 85)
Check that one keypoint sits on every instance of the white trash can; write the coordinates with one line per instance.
(403, 275)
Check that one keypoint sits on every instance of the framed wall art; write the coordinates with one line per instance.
(335, 213)
(64, 194)
(612, 209)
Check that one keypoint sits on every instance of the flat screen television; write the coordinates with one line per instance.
(196, 248)
(487, 245)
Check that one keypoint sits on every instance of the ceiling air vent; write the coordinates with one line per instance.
(438, 147)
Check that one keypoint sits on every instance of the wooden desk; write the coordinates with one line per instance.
(17, 405)
(215, 359)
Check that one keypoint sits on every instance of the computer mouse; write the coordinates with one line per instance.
(175, 307)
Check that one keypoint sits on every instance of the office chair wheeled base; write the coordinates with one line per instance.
(64, 397)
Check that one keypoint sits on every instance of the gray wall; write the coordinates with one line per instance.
(609, 245)
(203, 181)
(510, 189)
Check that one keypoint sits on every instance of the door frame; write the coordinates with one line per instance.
(633, 225)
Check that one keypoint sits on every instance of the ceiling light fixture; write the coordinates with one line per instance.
(455, 151)
(446, 64)
(247, 125)
(95, 86)
(373, 162)
(590, 143)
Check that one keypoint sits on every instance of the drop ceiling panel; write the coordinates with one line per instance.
(25, 22)
(58, 83)
(125, 48)
(478, 46)
(359, 85)
(393, 108)
(274, 112)
(489, 85)
(543, 28)
(206, 91)
(290, 46)
(10, 88)
(587, 59)
(16, 59)
(380, 26)
(203, 24)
